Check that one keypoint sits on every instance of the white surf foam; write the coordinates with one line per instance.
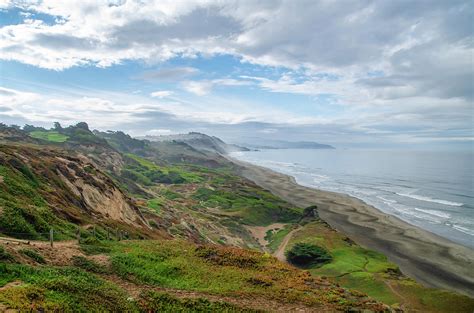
(428, 199)
(435, 213)
(463, 230)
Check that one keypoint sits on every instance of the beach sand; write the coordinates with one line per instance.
(429, 259)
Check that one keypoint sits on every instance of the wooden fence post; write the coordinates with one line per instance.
(78, 235)
(51, 237)
(118, 235)
(93, 231)
(108, 233)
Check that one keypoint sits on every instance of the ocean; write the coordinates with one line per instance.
(433, 190)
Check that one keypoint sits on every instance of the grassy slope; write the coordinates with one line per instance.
(25, 213)
(131, 270)
(52, 136)
(370, 272)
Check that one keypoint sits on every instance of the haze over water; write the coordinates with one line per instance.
(430, 189)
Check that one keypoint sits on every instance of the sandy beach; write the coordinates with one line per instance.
(429, 259)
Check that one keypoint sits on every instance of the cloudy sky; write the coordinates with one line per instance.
(348, 73)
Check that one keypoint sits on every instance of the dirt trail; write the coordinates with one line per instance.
(259, 232)
(280, 252)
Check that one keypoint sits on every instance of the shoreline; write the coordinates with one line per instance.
(430, 259)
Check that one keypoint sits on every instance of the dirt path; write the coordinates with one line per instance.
(259, 233)
(404, 300)
(280, 252)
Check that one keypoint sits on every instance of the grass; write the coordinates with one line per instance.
(162, 302)
(5, 256)
(370, 272)
(253, 205)
(155, 204)
(217, 270)
(147, 172)
(25, 213)
(33, 255)
(88, 265)
(60, 289)
(52, 136)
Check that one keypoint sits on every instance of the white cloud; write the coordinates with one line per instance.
(389, 63)
(419, 41)
(204, 87)
(199, 88)
(161, 94)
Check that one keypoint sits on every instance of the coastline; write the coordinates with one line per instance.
(428, 258)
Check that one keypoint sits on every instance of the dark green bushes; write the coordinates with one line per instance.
(255, 206)
(34, 255)
(305, 254)
(5, 256)
(88, 265)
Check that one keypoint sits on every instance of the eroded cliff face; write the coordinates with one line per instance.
(72, 186)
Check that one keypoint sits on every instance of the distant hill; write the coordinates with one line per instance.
(199, 141)
(282, 144)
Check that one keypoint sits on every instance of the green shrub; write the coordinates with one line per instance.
(34, 255)
(5, 256)
(305, 254)
(91, 246)
(88, 265)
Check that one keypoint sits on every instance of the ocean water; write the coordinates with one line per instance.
(430, 189)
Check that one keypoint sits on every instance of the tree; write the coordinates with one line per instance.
(57, 126)
(306, 254)
(82, 125)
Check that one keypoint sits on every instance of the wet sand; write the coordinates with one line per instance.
(429, 259)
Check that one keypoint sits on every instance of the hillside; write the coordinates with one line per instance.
(200, 142)
(198, 236)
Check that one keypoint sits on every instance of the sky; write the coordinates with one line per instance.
(346, 73)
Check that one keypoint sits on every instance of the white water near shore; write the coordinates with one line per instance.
(432, 190)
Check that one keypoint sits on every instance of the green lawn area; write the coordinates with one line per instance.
(52, 136)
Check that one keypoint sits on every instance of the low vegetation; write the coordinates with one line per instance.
(52, 136)
(306, 254)
(153, 301)
(25, 213)
(253, 205)
(59, 289)
(370, 272)
(33, 255)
